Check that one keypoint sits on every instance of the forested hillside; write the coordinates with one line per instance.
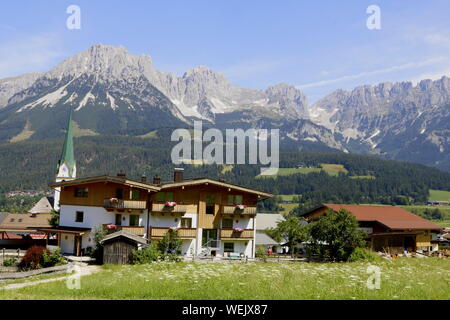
(31, 165)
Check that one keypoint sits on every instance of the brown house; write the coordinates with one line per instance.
(212, 217)
(391, 229)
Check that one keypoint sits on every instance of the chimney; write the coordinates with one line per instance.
(144, 179)
(121, 174)
(156, 180)
(178, 175)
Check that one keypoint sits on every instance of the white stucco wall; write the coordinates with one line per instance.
(188, 247)
(244, 247)
(243, 223)
(93, 216)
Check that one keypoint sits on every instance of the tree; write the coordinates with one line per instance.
(292, 231)
(336, 235)
(54, 220)
(170, 243)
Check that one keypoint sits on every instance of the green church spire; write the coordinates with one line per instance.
(67, 165)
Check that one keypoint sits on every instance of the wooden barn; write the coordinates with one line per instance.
(117, 247)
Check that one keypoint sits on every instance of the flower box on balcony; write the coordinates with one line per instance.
(170, 204)
(241, 206)
(238, 230)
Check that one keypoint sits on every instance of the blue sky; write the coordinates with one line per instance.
(318, 46)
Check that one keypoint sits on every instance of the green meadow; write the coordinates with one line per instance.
(403, 278)
(439, 195)
(331, 169)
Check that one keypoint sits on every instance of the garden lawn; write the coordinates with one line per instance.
(400, 279)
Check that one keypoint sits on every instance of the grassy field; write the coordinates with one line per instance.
(363, 177)
(439, 195)
(400, 279)
(288, 207)
(331, 169)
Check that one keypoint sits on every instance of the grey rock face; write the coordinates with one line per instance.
(11, 86)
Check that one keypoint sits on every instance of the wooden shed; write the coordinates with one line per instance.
(117, 247)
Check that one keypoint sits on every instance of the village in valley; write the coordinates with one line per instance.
(224, 155)
(116, 220)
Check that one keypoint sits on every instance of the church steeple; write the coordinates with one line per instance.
(66, 166)
(66, 169)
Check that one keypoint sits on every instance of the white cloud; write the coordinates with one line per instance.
(410, 65)
(29, 54)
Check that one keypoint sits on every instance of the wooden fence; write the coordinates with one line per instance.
(25, 274)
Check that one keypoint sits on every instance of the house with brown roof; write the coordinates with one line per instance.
(389, 228)
(212, 217)
(21, 230)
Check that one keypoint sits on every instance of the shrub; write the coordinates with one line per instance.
(33, 258)
(97, 252)
(363, 254)
(261, 253)
(9, 262)
(170, 243)
(50, 259)
(146, 255)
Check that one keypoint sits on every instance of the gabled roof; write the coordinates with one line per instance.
(218, 183)
(267, 220)
(125, 234)
(263, 239)
(395, 218)
(113, 179)
(44, 205)
(25, 221)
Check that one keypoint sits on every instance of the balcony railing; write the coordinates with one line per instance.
(162, 208)
(136, 230)
(230, 209)
(183, 233)
(124, 204)
(234, 234)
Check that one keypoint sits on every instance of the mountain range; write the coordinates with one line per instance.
(115, 92)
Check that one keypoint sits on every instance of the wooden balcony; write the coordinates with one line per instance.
(183, 233)
(124, 204)
(231, 209)
(136, 230)
(162, 208)
(232, 234)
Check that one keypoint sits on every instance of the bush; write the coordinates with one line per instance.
(363, 254)
(170, 243)
(40, 257)
(51, 259)
(97, 252)
(9, 262)
(261, 253)
(146, 255)
(33, 258)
